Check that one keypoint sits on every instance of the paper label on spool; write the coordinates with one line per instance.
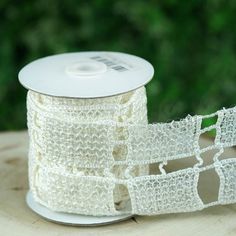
(86, 74)
(114, 63)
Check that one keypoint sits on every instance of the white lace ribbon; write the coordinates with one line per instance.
(92, 156)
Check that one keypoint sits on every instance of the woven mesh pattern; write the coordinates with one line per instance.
(227, 171)
(76, 193)
(92, 156)
(175, 192)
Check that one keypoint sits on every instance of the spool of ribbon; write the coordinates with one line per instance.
(91, 156)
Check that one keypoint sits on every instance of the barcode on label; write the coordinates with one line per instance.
(119, 68)
(111, 64)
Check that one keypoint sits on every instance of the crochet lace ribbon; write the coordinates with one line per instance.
(92, 156)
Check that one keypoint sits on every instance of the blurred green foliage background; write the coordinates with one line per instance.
(192, 45)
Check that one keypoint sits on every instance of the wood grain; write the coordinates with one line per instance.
(17, 219)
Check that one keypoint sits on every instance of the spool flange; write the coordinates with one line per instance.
(86, 74)
(72, 219)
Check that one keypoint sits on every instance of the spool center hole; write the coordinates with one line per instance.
(86, 68)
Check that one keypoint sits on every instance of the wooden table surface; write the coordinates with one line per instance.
(17, 219)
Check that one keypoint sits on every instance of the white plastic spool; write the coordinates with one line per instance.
(84, 75)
